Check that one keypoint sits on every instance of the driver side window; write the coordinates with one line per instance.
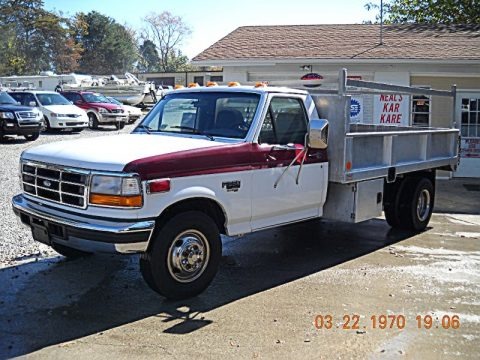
(285, 122)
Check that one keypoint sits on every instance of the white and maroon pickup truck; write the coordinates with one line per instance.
(223, 160)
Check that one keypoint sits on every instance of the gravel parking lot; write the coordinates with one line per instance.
(266, 300)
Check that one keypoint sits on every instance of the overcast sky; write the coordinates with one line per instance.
(211, 20)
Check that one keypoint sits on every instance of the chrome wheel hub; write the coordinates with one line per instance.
(188, 256)
(423, 205)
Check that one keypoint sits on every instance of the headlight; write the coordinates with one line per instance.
(102, 110)
(116, 191)
(7, 115)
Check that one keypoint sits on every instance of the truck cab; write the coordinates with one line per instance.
(20, 120)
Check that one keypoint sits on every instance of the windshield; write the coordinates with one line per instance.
(52, 99)
(6, 99)
(95, 98)
(223, 114)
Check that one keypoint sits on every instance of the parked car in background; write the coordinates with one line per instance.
(58, 112)
(99, 110)
(133, 112)
(20, 120)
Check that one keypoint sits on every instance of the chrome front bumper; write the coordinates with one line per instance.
(83, 233)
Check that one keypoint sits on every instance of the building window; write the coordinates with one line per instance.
(216, 78)
(421, 109)
(470, 117)
(198, 80)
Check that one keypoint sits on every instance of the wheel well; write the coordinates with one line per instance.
(207, 206)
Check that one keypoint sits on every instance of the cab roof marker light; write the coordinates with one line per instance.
(193, 85)
(177, 87)
(211, 83)
(233, 84)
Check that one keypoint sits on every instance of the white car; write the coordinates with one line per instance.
(133, 112)
(58, 112)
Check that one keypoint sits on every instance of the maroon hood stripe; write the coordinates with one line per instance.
(216, 159)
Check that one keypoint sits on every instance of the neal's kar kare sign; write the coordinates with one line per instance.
(391, 109)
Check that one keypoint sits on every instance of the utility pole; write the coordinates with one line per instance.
(381, 22)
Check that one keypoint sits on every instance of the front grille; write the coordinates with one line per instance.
(117, 111)
(72, 115)
(60, 185)
(27, 118)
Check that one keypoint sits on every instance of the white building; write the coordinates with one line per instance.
(433, 56)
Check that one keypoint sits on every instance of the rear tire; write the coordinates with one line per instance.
(68, 252)
(392, 203)
(184, 256)
(417, 203)
(92, 121)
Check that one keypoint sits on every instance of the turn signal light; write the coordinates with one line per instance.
(116, 200)
(159, 186)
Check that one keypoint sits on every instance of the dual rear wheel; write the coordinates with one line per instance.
(409, 203)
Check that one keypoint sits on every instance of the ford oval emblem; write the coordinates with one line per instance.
(47, 183)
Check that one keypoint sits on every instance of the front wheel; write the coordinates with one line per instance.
(184, 256)
(92, 121)
(32, 137)
(120, 125)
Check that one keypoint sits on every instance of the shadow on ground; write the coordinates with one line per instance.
(53, 301)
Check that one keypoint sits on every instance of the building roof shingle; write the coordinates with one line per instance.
(348, 41)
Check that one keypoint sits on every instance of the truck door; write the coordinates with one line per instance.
(282, 200)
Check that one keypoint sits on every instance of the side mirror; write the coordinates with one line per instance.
(32, 104)
(318, 134)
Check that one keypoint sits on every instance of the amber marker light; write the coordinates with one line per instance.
(193, 85)
(233, 83)
(211, 83)
(348, 165)
(116, 200)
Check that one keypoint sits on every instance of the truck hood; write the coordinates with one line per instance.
(112, 153)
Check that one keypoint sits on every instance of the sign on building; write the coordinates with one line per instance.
(356, 110)
(470, 148)
(391, 109)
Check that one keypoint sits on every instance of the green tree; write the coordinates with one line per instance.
(149, 59)
(34, 39)
(108, 46)
(429, 11)
(178, 62)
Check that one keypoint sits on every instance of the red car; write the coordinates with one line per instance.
(99, 110)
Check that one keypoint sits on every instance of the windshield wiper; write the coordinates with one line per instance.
(147, 128)
(194, 131)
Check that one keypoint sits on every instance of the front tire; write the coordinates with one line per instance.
(32, 137)
(92, 121)
(120, 125)
(184, 256)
